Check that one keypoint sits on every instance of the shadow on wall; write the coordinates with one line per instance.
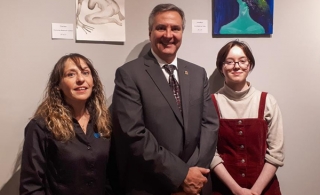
(12, 186)
(216, 81)
(139, 50)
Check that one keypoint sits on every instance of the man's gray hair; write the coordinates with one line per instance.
(163, 8)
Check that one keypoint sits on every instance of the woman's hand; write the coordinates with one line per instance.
(244, 191)
(255, 193)
(179, 193)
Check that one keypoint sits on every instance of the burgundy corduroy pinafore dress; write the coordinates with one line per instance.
(242, 145)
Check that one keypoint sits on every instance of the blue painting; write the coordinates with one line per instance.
(242, 17)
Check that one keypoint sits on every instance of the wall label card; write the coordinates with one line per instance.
(62, 31)
(199, 26)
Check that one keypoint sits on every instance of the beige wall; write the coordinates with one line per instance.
(287, 66)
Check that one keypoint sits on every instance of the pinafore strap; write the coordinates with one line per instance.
(262, 105)
(215, 104)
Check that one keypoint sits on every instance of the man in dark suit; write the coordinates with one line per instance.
(165, 126)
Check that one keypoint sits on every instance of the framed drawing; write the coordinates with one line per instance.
(100, 20)
(242, 17)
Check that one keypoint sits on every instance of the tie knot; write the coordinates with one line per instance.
(169, 68)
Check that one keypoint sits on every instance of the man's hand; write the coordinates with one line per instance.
(195, 180)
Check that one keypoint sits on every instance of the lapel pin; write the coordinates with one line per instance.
(186, 72)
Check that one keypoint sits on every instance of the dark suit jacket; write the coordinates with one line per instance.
(154, 143)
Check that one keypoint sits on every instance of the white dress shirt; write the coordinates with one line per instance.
(162, 63)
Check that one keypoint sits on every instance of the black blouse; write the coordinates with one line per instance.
(51, 167)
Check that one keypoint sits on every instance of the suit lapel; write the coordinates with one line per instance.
(155, 72)
(183, 74)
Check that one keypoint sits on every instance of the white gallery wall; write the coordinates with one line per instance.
(287, 66)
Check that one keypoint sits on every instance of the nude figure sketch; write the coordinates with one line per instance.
(79, 23)
(107, 9)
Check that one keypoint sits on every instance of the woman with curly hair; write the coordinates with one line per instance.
(67, 141)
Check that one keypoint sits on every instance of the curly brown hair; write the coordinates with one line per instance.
(58, 114)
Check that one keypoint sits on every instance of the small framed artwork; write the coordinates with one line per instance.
(242, 17)
(100, 20)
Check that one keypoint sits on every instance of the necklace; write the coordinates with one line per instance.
(83, 121)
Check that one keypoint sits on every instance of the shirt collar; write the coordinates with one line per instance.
(162, 62)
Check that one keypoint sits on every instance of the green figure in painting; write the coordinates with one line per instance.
(243, 24)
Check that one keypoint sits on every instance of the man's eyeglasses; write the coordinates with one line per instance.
(242, 63)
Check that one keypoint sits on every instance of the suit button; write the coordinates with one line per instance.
(239, 122)
(89, 147)
(243, 161)
(240, 132)
(243, 175)
(241, 146)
